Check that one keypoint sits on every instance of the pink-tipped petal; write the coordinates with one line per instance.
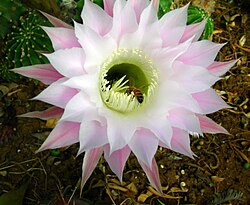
(172, 26)
(201, 53)
(61, 37)
(90, 131)
(184, 119)
(57, 94)
(64, 134)
(52, 112)
(55, 21)
(42, 72)
(148, 16)
(68, 62)
(209, 126)
(139, 6)
(117, 159)
(220, 68)
(209, 101)
(152, 174)
(181, 142)
(87, 84)
(193, 31)
(80, 112)
(193, 78)
(96, 48)
(124, 20)
(144, 145)
(90, 161)
(96, 18)
(108, 6)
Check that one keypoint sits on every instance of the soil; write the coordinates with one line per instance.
(220, 174)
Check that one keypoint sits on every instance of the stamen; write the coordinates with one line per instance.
(128, 80)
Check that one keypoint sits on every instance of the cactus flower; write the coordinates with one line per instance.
(125, 81)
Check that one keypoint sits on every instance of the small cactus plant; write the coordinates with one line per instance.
(22, 44)
(10, 11)
(195, 15)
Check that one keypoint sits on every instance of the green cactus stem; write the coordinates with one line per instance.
(26, 39)
(10, 11)
(196, 15)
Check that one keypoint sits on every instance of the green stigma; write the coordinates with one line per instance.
(128, 80)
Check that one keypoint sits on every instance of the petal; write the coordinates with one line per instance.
(120, 128)
(52, 112)
(56, 94)
(176, 97)
(96, 18)
(209, 126)
(201, 53)
(68, 62)
(152, 174)
(181, 142)
(164, 57)
(87, 83)
(97, 48)
(80, 109)
(141, 38)
(193, 78)
(61, 37)
(55, 21)
(193, 30)
(42, 72)
(220, 68)
(90, 161)
(209, 101)
(139, 6)
(92, 134)
(144, 145)
(148, 16)
(108, 6)
(64, 134)
(184, 119)
(117, 159)
(172, 26)
(124, 20)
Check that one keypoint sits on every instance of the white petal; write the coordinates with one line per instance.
(96, 18)
(152, 174)
(209, 101)
(209, 126)
(144, 145)
(64, 134)
(117, 159)
(181, 142)
(193, 78)
(220, 68)
(57, 94)
(172, 26)
(68, 62)
(184, 119)
(201, 53)
(90, 161)
(52, 112)
(61, 37)
(88, 84)
(92, 134)
(124, 20)
(108, 6)
(97, 48)
(42, 72)
(193, 30)
(80, 109)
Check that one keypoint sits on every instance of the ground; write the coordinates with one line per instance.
(218, 175)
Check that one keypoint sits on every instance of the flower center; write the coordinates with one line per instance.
(128, 80)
